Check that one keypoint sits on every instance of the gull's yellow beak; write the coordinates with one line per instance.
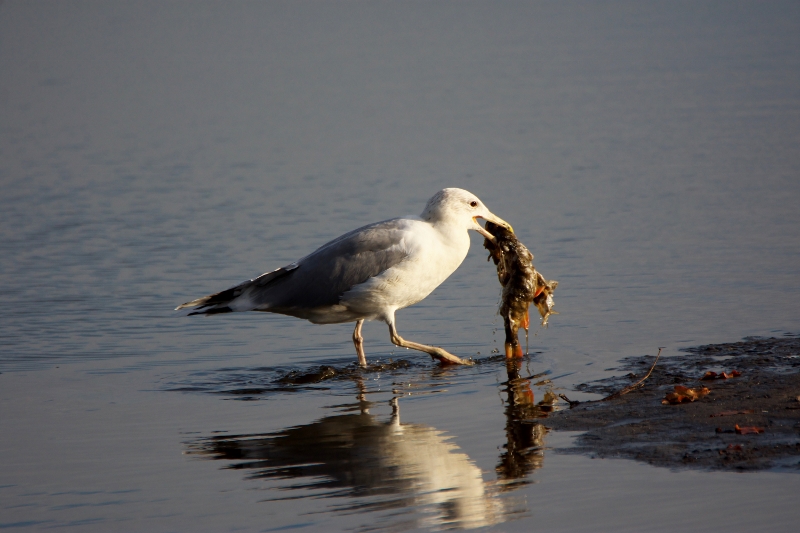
(491, 217)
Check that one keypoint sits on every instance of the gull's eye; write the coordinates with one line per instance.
(473, 203)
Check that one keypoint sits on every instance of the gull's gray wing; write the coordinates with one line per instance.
(321, 277)
(318, 279)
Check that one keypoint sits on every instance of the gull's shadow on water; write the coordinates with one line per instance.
(381, 465)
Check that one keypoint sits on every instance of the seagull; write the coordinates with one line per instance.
(368, 273)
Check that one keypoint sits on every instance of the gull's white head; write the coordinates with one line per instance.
(460, 207)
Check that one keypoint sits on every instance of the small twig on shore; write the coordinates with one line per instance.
(570, 402)
(639, 384)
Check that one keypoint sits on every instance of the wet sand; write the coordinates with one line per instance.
(701, 434)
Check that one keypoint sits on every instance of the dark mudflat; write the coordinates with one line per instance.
(637, 425)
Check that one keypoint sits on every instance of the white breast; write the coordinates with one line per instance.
(433, 254)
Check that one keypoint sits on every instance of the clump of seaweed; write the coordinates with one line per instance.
(522, 285)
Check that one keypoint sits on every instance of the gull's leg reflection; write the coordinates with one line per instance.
(395, 420)
(524, 448)
(363, 404)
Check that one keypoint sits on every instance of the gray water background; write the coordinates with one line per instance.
(150, 153)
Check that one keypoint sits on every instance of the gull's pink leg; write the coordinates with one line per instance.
(358, 340)
(442, 355)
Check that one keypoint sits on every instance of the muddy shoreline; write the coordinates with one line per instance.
(701, 434)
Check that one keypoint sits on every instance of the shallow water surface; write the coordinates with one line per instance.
(151, 154)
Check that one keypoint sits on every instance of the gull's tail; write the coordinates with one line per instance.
(238, 298)
(213, 303)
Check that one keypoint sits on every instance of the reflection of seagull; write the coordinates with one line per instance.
(367, 274)
(385, 465)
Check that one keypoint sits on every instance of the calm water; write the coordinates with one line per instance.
(151, 153)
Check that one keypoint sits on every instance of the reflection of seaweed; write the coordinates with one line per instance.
(381, 465)
(524, 448)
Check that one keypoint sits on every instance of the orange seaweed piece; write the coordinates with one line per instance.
(710, 376)
(748, 429)
(674, 399)
(684, 395)
(694, 394)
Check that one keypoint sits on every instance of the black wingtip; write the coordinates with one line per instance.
(214, 311)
